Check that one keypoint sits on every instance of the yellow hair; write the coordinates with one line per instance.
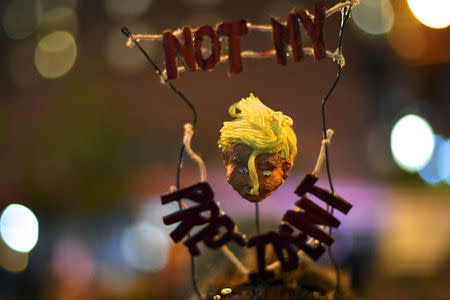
(261, 128)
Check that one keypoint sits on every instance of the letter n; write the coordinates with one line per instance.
(172, 46)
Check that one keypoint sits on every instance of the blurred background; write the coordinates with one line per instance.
(90, 139)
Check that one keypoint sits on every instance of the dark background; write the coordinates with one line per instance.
(90, 149)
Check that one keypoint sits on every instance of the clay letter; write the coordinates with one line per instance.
(172, 45)
(214, 58)
(233, 31)
(192, 216)
(210, 235)
(260, 242)
(315, 252)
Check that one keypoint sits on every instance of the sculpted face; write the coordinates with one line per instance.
(272, 171)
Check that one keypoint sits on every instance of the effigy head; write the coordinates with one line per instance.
(258, 148)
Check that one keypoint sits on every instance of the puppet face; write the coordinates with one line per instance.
(272, 171)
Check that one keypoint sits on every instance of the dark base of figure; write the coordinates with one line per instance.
(308, 282)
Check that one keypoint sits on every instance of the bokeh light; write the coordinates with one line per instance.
(60, 19)
(416, 238)
(407, 38)
(72, 263)
(129, 8)
(21, 18)
(438, 168)
(374, 16)
(152, 212)
(55, 54)
(145, 247)
(412, 142)
(431, 13)
(416, 43)
(19, 228)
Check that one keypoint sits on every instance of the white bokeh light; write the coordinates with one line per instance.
(19, 228)
(152, 212)
(374, 16)
(431, 13)
(72, 263)
(145, 247)
(412, 142)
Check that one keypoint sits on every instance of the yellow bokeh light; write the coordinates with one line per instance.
(55, 54)
(431, 13)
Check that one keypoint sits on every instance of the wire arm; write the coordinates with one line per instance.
(346, 11)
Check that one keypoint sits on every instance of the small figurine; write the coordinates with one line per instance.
(258, 148)
(258, 151)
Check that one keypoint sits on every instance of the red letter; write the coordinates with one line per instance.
(192, 216)
(283, 249)
(214, 58)
(211, 236)
(171, 44)
(233, 31)
(287, 34)
(311, 215)
(314, 30)
(260, 242)
(307, 186)
(315, 252)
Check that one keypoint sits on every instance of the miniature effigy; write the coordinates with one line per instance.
(258, 151)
